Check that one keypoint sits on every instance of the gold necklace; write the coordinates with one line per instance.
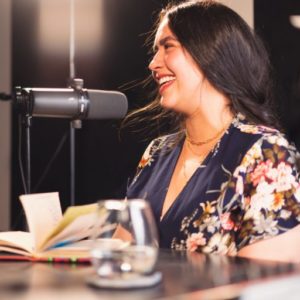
(200, 143)
(190, 143)
(202, 157)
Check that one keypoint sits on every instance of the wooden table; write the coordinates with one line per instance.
(193, 276)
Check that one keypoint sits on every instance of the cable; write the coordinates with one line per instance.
(20, 154)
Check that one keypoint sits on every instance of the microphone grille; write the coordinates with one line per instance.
(106, 104)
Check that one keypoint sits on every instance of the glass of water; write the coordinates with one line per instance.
(124, 239)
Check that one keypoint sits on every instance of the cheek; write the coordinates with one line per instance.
(188, 76)
(172, 63)
(190, 86)
(194, 82)
(176, 61)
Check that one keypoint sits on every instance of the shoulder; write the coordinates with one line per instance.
(247, 128)
(168, 140)
(267, 141)
(162, 143)
(271, 160)
(158, 146)
(270, 166)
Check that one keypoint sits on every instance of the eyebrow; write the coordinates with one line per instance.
(164, 41)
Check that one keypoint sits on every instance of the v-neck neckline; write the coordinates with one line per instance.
(178, 150)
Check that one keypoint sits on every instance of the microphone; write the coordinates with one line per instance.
(77, 104)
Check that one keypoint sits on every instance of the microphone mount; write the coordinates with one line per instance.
(73, 102)
(35, 101)
(77, 85)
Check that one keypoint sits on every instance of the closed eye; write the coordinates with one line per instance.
(168, 45)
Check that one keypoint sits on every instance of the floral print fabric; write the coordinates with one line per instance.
(246, 190)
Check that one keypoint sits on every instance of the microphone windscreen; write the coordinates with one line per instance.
(106, 105)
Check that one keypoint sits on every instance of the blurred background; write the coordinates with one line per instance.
(110, 54)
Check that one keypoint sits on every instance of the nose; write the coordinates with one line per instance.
(156, 62)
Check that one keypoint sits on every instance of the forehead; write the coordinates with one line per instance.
(163, 31)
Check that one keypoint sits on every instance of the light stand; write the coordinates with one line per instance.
(23, 108)
(76, 84)
(72, 102)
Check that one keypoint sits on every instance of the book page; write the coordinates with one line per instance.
(43, 213)
(80, 249)
(16, 239)
(76, 224)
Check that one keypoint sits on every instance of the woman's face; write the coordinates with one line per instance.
(178, 76)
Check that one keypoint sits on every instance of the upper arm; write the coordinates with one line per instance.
(268, 183)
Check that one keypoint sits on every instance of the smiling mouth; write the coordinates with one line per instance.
(165, 82)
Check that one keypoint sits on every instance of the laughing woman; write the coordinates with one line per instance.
(225, 180)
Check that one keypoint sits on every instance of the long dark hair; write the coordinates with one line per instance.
(229, 54)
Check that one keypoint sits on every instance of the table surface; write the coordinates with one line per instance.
(193, 276)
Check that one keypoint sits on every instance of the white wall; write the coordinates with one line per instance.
(245, 8)
(5, 86)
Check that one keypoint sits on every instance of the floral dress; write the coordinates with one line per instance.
(246, 190)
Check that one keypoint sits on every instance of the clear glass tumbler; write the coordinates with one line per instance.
(124, 239)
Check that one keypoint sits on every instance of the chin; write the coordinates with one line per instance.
(168, 103)
(172, 105)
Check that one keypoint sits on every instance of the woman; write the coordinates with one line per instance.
(226, 180)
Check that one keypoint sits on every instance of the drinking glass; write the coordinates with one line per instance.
(124, 239)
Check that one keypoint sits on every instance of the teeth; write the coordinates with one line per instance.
(165, 79)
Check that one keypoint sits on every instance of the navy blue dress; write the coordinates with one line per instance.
(247, 189)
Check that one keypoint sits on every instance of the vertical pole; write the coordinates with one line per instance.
(72, 40)
(72, 127)
(28, 156)
(72, 164)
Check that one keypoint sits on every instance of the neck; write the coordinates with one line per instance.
(203, 128)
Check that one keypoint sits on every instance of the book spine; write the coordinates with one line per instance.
(71, 260)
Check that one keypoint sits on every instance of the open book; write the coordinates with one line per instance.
(52, 236)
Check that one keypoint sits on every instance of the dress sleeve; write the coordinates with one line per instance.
(267, 184)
